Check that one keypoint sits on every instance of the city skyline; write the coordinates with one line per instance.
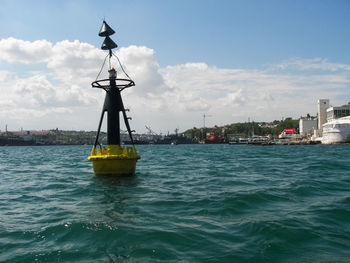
(232, 60)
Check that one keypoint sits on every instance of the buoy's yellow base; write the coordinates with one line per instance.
(114, 160)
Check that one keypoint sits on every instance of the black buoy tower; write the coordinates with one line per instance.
(114, 159)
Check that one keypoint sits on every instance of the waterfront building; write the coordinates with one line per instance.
(336, 131)
(323, 105)
(333, 123)
(307, 126)
(338, 112)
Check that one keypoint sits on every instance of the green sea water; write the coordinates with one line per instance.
(186, 203)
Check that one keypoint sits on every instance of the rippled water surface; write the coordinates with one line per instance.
(187, 203)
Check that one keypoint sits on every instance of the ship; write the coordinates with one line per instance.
(214, 140)
(174, 139)
(288, 133)
(336, 131)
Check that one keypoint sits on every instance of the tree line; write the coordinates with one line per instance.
(244, 129)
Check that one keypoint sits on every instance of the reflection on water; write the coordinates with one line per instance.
(115, 181)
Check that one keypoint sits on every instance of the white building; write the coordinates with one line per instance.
(307, 126)
(338, 112)
(336, 131)
(323, 105)
(333, 123)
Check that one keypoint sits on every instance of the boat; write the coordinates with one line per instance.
(288, 133)
(233, 141)
(115, 158)
(243, 140)
(258, 140)
(336, 131)
(214, 140)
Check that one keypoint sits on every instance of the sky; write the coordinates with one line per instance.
(232, 60)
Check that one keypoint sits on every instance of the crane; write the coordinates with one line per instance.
(150, 132)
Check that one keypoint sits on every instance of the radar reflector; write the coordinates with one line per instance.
(106, 30)
(108, 44)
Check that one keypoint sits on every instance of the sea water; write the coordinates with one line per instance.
(186, 203)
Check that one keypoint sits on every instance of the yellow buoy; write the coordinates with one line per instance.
(113, 159)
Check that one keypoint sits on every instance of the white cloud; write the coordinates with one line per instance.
(311, 64)
(234, 98)
(16, 50)
(74, 62)
(60, 94)
(141, 65)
